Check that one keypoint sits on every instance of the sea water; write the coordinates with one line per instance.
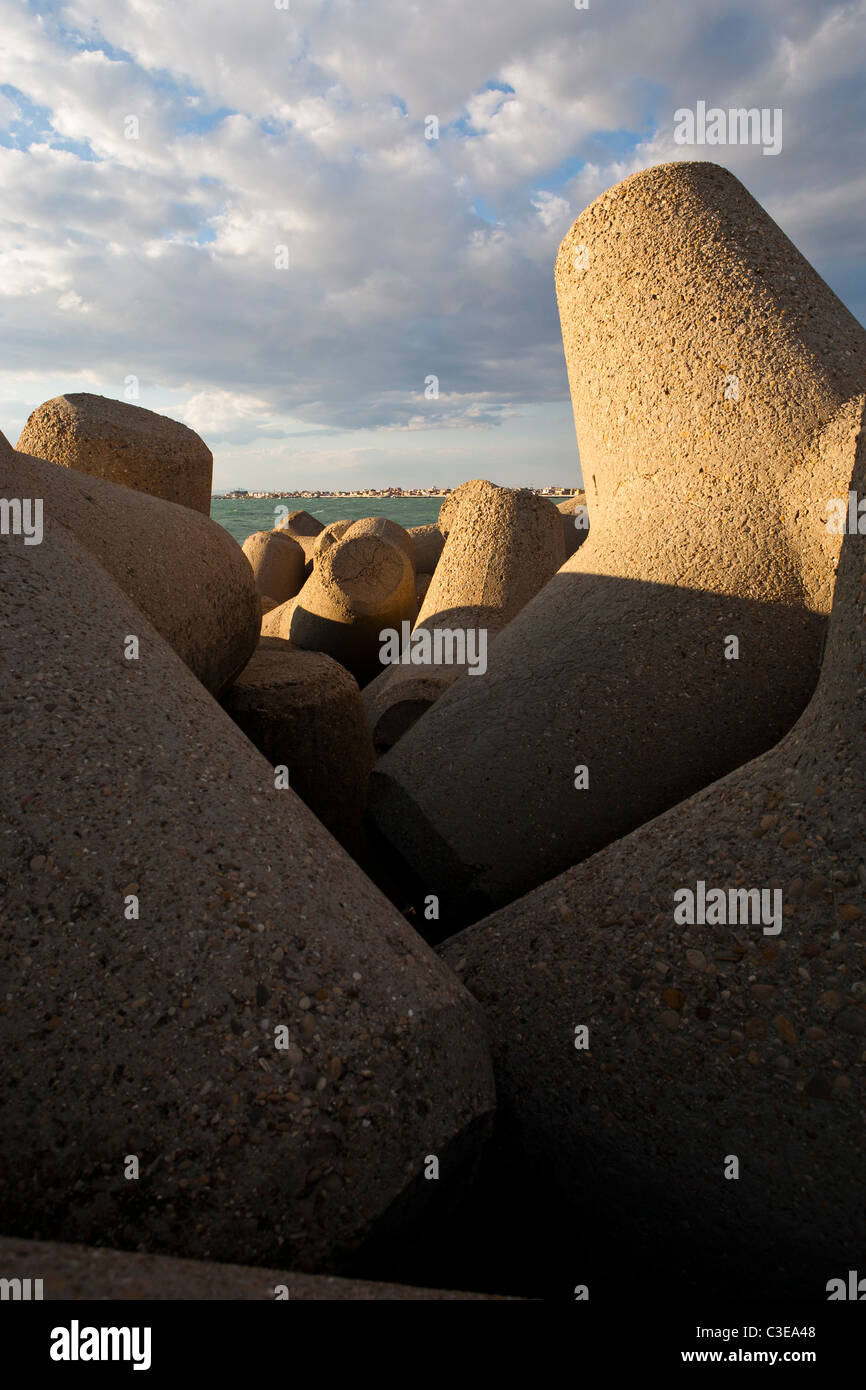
(246, 515)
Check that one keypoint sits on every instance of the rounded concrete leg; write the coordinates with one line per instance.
(303, 711)
(700, 421)
(388, 531)
(503, 545)
(277, 562)
(359, 589)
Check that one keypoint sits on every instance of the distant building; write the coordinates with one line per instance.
(239, 493)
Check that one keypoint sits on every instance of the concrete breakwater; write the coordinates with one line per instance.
(328, 940)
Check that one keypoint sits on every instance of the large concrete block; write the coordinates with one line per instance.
(359, 588)
(714, 1037)
(304, 529)
(706, 358)
(385, 528)
(473, 488)
(575, 522)
(278, 564)
(184, 571)
(503, 545)
(428, 542)
(124, 444)
(303, 711)
(165, 910)
(333, 532)
(277, 621)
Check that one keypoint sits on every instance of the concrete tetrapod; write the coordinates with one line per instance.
(124, 444)
(428, 542)
(575, 522)
(503, 545)
(358, 588)
(278, 564)
(166, 912)
(473, 487)
(388, 530)
(704, 494)
(278, 620)
(304, 529)
(184, 571)
(303, 711)
(707, 1039)
(333, 532)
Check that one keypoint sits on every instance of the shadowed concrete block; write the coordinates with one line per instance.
(422, 584)
(710, 1033)
(503, 545)
(428, 542)
(184, 571)
(304, 529)
(333, 532)
(358, 588)
(278, 564)
(706, 357)
(124, 444)
(303, 711)
(165, 911)
(388, 531)
(575, 522)
(83, 1272)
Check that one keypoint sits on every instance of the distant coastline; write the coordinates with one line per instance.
(242, 495)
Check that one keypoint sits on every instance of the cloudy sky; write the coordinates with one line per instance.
(156, 153)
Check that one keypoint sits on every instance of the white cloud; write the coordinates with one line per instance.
(71, 300)
(261, 127)
(217, 413)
